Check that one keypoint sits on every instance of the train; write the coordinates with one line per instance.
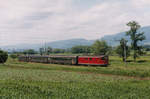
(67, 60)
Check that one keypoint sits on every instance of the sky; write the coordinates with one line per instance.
(39, 21)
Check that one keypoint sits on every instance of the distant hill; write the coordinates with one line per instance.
(63, 44)
(70, 43)
(113, 39)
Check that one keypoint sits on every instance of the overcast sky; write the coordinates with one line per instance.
(39, 21)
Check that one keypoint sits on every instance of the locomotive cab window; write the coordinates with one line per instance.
(86, 58)
(103, 58)
(90, 59)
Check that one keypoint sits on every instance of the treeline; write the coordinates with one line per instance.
(99, 47)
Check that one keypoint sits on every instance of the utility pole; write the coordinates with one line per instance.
(45, 48)
(125, 52)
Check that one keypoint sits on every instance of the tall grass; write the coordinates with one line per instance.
(19, 80)
(74, 90)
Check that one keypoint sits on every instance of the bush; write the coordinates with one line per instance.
(58, 50)
(3, 56)
(100, 47)
(81, 49)
(29, 51)
(13, 56)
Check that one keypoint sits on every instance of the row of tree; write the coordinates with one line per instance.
(98, 48)
(49, 50)
(42, 51)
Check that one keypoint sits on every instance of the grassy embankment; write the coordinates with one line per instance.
(35, 80)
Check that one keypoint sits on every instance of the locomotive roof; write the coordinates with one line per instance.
(94, 56)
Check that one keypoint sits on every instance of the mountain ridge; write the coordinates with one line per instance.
(62, 44)
(114, 39)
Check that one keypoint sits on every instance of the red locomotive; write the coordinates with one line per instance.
(93, 60)
(72, 60)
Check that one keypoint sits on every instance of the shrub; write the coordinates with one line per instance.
(100, 47)
(81, 49)
(13, 56)
(3, 56)
(29, 51)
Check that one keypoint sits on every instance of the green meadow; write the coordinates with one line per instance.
(19, 80)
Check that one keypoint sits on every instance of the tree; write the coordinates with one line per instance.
(57, 50)
(13, 56)
(29, 51)
(123, 50)
(49, 50)
(100, 47)
(3, 56)
(135, 37)
(81, 49)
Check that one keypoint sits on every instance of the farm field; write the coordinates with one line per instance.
(19, 80)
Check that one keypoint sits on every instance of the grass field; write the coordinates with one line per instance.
(45, 81)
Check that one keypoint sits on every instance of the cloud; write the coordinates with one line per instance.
(141, 3)
(32, 21)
